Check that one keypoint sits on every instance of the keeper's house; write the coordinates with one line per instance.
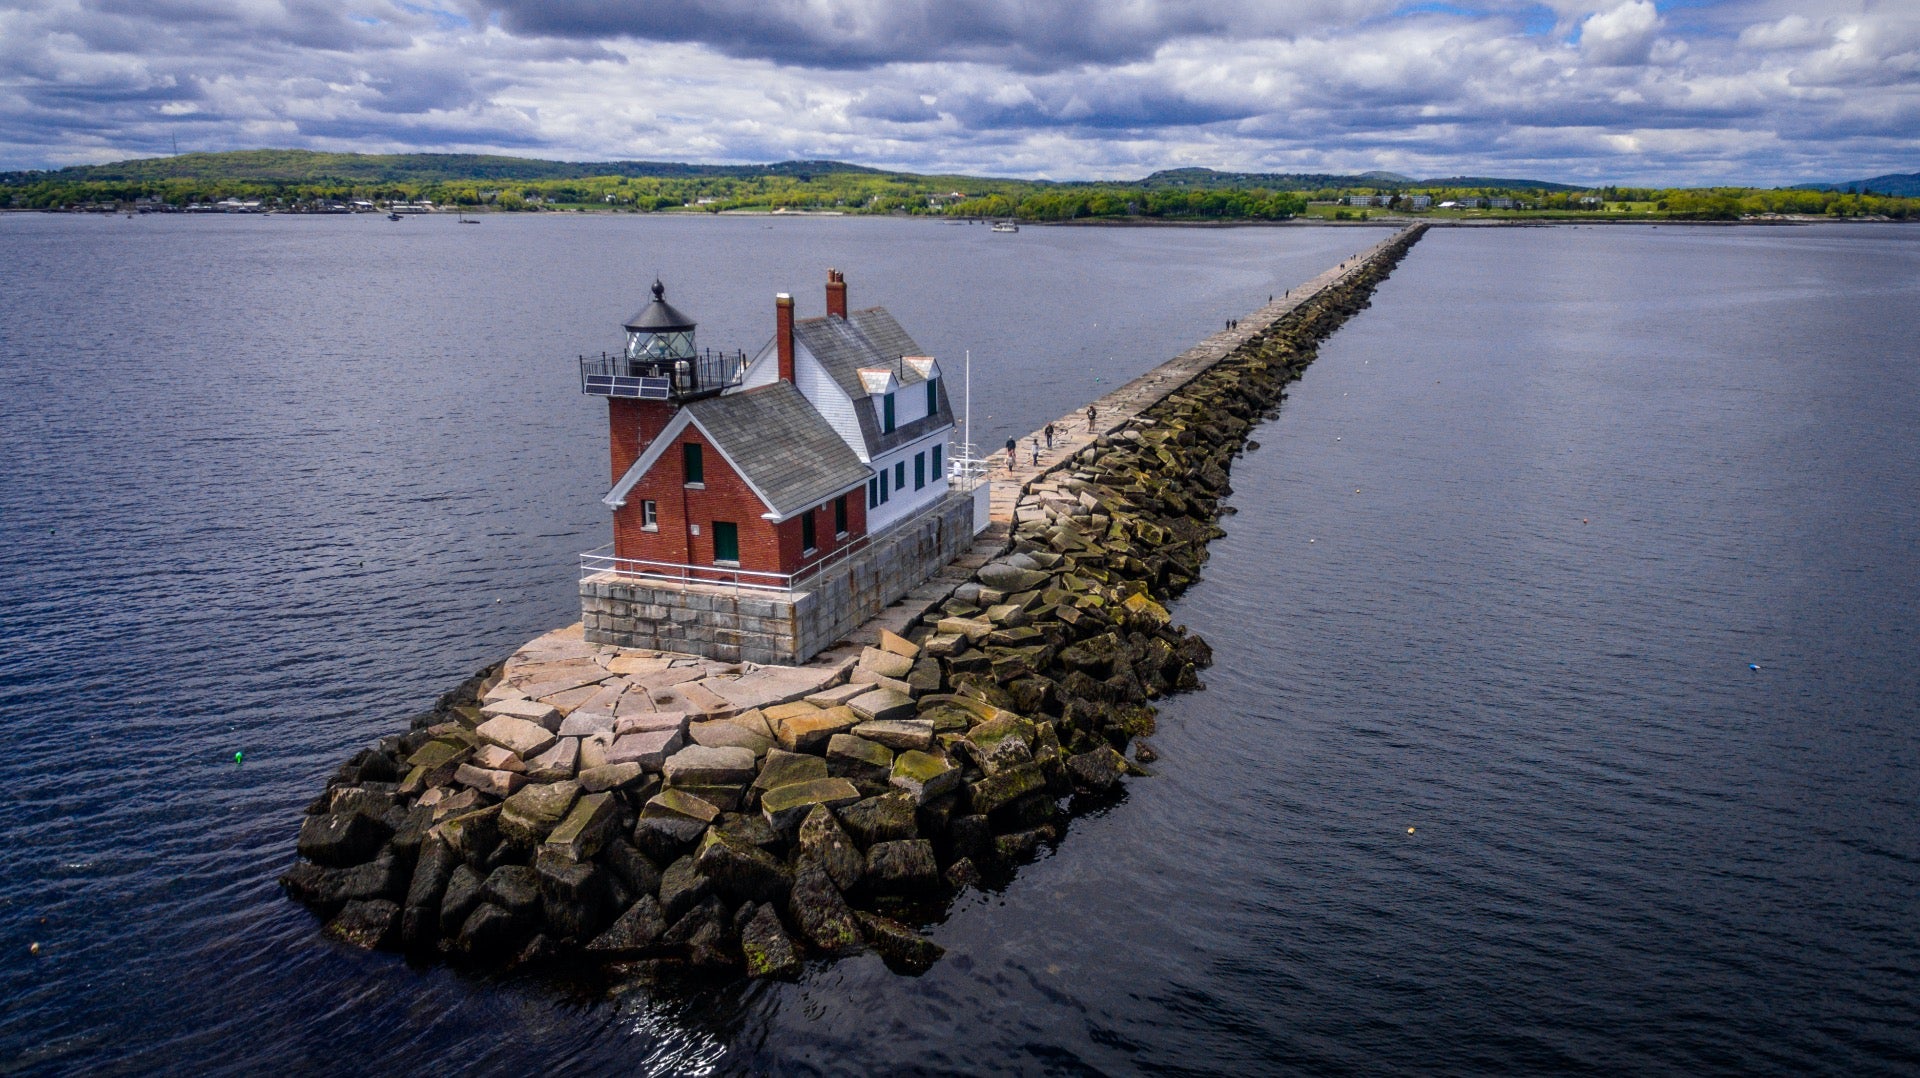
(764, 506)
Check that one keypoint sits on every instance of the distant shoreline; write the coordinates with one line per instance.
(1380, 221)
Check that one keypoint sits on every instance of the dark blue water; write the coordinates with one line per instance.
(1498, 574)
(270, 485)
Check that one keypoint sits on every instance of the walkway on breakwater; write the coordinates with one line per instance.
(1071, 434)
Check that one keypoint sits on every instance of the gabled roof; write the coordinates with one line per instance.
(773, 439)
(781, 446)
(862, 340)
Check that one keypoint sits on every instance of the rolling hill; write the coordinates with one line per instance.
(307, 166)
(1899, 184)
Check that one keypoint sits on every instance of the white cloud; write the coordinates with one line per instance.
(1784, 92)
(1791, 32)
(1866, 52)
(1621, 35)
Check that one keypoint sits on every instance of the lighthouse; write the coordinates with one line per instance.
(785, 480)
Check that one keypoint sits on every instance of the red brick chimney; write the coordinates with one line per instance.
(783, 333)
(836, 294)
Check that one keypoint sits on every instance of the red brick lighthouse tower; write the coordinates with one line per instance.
(660, 369)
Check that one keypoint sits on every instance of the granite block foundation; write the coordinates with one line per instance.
(735, 624)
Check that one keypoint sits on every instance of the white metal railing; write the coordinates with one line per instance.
(966, 471)
(597, 562)
(601, 562)
(678, 377)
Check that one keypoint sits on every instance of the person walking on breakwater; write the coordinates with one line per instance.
(1090, 414)
(1049, 433)
(1036, 452)
(1012, 447)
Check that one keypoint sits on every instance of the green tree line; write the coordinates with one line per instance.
(294, 178)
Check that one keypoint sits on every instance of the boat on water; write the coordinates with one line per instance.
(393, 217)
(465, 220)
(1005, 226)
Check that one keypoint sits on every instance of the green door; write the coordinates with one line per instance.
(726, 541)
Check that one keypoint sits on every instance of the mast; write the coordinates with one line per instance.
(966, 416)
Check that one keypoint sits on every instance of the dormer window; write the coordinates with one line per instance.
(886, 414)
(933, 398)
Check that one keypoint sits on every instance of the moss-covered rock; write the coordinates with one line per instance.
(820, 911)
(900, 947)
(1003, 787)
(925, 776)
(822, 839)
(766, 947)
(902, 867)
(740, 870)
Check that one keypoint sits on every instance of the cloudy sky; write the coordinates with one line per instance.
(1633, 91)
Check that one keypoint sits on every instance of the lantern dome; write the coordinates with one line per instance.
(660, 316)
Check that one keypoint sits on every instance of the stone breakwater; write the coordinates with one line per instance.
(645, 814)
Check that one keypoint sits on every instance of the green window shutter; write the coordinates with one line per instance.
(886, 418)
(696, 467)
(933, 399)
(919, 470)
(726, 541)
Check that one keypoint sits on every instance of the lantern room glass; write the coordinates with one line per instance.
(649, 347)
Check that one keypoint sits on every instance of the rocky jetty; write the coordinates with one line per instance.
(644, 812)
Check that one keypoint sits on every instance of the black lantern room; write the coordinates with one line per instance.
(660, 332)
(660, 361)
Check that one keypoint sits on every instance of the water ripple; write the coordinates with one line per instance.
(343, 468)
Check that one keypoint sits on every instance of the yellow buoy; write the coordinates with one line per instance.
(1409, 830)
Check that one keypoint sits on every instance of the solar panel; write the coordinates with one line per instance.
(622, 385)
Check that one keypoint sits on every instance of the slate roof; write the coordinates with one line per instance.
(869, 338)
(781, 446)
